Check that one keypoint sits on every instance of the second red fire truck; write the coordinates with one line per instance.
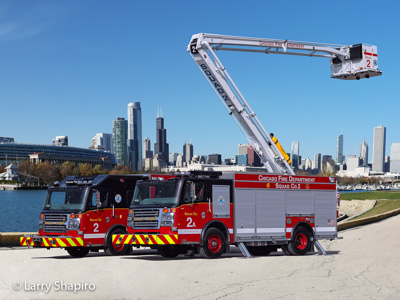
(208, 211)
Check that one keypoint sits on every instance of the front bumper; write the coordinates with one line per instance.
(51, 241)
(145, 239)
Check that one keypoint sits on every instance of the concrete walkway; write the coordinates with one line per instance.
(364, 265)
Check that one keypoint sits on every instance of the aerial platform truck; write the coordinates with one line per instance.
(259, 212)
(81, 213)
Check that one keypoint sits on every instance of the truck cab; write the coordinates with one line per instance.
(81, 213)
(178, 212)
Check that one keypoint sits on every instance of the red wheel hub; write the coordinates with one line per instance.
(301, 241)
(214, 243)
(118, 247)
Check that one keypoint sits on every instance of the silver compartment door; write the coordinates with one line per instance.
(270, 213)
(221, 201)
(325, 213)
(245, 212)
(299, 202)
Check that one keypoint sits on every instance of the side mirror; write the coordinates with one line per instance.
(98, 202)
(193, 191)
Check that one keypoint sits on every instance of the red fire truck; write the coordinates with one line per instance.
(207, 212)
(81, 213)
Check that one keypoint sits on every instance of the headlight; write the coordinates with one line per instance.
(167, 219)
(41, 223)
(74, 224)
(130, 219)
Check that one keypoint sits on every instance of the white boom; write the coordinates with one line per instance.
(347, 62)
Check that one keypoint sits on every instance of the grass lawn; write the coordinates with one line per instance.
(392, 201)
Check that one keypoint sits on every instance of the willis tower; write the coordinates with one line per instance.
(161, 147)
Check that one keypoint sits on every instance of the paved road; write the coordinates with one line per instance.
(364, 265)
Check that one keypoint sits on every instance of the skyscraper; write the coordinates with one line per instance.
(339, 150)
(147, 148)
(395, 158)
(252, 158)
(120, 132)
(187, 153)
(325, 160)
(295, 153)
(378, 155)
(135, 135)
(242, 148)
(103, 141)
(214, 159)
(161, 147)
(364, 153)
(317, 162)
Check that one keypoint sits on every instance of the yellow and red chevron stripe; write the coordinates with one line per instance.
(52, 242)
(145, 239)
(26, 241)
(62, 242)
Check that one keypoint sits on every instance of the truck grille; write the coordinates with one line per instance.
(146, 218)
(55, 223)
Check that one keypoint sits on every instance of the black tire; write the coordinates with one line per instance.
(260, 250)
(214, 244)
(114, 250)
(169, 251)
(300, 243)
(285, 249)
(77, 251)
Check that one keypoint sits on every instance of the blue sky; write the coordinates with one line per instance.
(72, 67)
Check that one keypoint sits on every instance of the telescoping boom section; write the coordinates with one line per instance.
(346, 62)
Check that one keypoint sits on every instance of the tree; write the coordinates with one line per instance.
(47, 172)
(121, 170)
(85, 169)
(98, 170)
(28, 167)
(67, 169)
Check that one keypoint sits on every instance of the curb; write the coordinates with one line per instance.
(10, 239)
(365, 221)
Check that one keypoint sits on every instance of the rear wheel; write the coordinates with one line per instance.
(77, 251)
(260, 250)
(111, 249)
(300, 243)
(214, 244)
(169, 251)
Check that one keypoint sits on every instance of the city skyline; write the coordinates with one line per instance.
(105, 65)
(123, 125)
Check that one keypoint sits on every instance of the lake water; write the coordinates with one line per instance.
(20, 210)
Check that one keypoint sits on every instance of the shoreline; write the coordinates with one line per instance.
(16, 187)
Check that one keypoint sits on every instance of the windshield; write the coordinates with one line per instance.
(156, 193)
(71, 199)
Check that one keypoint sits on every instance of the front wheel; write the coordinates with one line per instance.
(214, 244)
(300, 243)
(111, 249)
(77, 251)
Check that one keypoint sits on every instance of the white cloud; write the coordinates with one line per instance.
(30, 20)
